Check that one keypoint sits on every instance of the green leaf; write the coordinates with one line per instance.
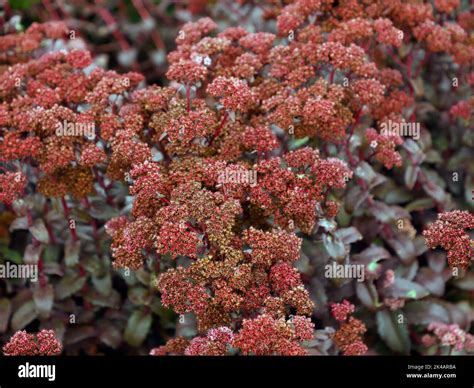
(137, 328)
(39, 231)
(44, 298)
(5, 312)
(103, 285)
(420, 204)
(10, 255)
(394, 334)
(24, 315)
(69, 284)
(71, 253)
(112, 300)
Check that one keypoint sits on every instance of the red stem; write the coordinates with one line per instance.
(113, 25)
(219, 128)
(47, 4)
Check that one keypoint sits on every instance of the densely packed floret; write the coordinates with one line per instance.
(44, 343)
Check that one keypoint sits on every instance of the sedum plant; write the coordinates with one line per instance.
(278, 195)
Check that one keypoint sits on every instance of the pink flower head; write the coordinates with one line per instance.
(235, 93)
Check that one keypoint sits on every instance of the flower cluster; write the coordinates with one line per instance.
(449, 232)
(446, 335)
(228, 188)
(12, 185)
(44, 343)
(268, 336)
(348, 338)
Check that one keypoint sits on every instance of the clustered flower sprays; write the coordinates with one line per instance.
(44, 343)
(234, 264)
(217, 195)
(61, 128)
(449, 232)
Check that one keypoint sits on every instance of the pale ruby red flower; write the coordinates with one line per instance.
(43, 343)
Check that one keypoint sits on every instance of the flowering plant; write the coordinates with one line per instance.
(230, 195)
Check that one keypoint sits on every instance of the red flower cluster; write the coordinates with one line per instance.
(12, 185)
(348, 337)
(449, 232)
(265, 336)
(44, 343)
(222, 193)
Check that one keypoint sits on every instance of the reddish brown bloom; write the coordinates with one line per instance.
(44, 343)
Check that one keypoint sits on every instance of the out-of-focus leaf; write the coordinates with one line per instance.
(69, 284)
(355, 197)
(433, 156)
(394, 334)
(78, 334)
(103, 212)
(44, 297)
(458, 315)
(334, 246)
(103, 285)
(420, 204)
(431, 280)
(10, 255)
(297, 143)
(386, 213)
(367, 294)
(39, 231)
(437, 261)
(318, 292)
(423, 312)
(137, 328)
(139, 296)
(5, 312)
(327, 225)
(403, 288)
(143, 276)
(371, 254)
(411, 174)
(71, 253)
(32, 253)
(408, 271)
(24, 315)
(110, 335)
(404, 247)
(19, 223)
(365, 172)
(420, 245)
(396, 195)
(348, 235)
(466, 282)
(413, 148)
(435, 192)
(93, 265)
(112, 300)
(51, 253)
